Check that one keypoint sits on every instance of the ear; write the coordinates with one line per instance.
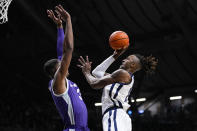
(133, 64)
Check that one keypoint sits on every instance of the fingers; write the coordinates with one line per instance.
(83, 62)
(61, 14)
(51, 15)
(82, 59)
(80, 66)
(125, 47)
(62, 11)
(48, 12)
(87, 59)
(59, 9)
(58, 14)
(60, 6)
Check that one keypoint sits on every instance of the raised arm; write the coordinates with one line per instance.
(100, 70)
(60, 40)
(60, 31)
(59, 86)
(120, 75)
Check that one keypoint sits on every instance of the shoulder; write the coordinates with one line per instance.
(120, 72)
(121, 75)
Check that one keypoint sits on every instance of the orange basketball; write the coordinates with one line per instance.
(118, 40)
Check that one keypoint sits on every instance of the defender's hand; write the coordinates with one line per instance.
(85, 65)
(57, 20)
(63, 13)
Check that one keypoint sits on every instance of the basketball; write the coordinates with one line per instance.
(118, 40)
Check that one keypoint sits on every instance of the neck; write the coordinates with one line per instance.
(130, 70)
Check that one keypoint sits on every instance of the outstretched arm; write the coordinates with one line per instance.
(60, 32)
(60, 40)
(59, 86)
(98, 83)
(99, 71)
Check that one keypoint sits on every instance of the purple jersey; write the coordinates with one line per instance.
(60, 40)
(71, 107)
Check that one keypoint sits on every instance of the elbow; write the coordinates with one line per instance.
(70, 43)
(97, 74)
(94, 73)
(68, 48)
(94, 86)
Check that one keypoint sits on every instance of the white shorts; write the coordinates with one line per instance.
(116, 120)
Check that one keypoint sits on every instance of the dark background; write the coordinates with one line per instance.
(164, 28)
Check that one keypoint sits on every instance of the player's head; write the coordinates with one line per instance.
(51, 66)
(131, 63)
(136, 62)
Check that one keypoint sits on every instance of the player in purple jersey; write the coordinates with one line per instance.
(65, 93)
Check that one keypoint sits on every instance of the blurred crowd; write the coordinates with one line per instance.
(40, 116)
(176, 118)
(29, 117)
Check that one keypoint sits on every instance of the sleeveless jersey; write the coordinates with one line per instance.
(71, 106)
(116, 95)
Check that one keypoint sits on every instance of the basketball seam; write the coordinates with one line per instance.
(118, 39)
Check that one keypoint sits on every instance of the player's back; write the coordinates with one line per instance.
(71, 106)
(116, 95)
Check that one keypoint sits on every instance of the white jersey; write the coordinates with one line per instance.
(116, 120)
(116, 95)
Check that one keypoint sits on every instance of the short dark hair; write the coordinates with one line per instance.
(50, 67)
(148, 63)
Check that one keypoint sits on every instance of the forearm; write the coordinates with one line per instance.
(68, 38)
(60, 40)
(67, 48)
(99, 71)
(91, 80)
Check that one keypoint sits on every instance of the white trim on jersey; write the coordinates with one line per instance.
(59, 95)
(71, 129)
(70, 108)
(66, 97)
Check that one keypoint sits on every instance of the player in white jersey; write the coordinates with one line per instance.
(116, 86)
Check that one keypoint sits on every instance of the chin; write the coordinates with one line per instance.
(67, 75)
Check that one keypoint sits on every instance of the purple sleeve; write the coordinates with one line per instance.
(60, 40)
(50, 83)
